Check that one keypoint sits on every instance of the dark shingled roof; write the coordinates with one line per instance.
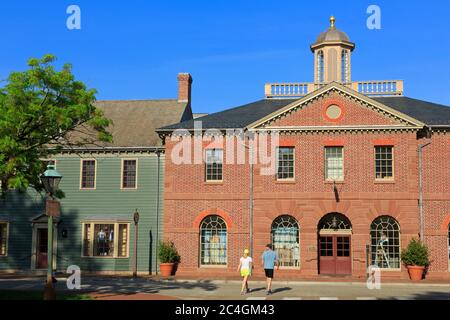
(135, 121)
(240, 117)
(431, 114)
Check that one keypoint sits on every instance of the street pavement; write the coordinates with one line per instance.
(125, 288)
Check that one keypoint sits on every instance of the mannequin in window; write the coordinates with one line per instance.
(214, 248)
(381, 253)
(110, 244)
(101, 242)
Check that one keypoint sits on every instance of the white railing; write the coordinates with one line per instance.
(300, 89)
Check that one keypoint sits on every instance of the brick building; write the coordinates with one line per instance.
(345, 192)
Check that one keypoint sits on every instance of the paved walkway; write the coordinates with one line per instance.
(123, 288)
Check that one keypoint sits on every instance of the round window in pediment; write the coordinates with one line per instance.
(333, 112)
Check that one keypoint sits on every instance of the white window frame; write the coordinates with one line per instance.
(278, 163)
(375, 163)
(136, 174)
(116, 239)
(399, 243)
(326, 164)
(7, 239)
(207, 163)
(274, 242)
(200, 256)
(81, 174)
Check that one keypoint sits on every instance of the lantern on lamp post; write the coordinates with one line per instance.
(50, 179)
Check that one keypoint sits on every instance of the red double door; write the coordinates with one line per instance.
(335, 254)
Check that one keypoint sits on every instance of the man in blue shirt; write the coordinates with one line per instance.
(269, 261)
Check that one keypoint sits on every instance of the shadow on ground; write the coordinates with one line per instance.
(130, 286)
(429, 295)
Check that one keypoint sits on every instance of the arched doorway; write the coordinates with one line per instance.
(334, 250)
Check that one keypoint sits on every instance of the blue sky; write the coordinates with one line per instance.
(134, 49)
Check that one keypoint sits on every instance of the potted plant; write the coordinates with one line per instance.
(415, 257)
(168, 258)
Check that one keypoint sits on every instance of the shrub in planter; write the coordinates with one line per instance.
(168, 257)
(416, 259)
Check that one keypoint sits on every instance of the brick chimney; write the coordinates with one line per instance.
(184, 87)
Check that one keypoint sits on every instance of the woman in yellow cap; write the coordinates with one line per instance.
(245, 268)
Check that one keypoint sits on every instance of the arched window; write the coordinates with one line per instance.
(320, 67)
(385, 242)
(213, 241)
(285, 240)
(345, 67)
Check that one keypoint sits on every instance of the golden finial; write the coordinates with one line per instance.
(332, 21)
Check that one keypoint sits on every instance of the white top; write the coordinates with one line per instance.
(245, 263)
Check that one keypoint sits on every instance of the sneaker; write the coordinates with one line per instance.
(268, 293)
(248, 290)
(242, 293)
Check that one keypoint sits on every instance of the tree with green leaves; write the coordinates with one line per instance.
(42, 111)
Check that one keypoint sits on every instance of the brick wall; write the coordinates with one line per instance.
(310, 197)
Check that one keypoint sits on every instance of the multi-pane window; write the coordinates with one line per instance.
(3, 238)
(100, 240)
(214, 164)
(343, 246)
(88, 174)
(334, 163)
(213, 241)
(285, 163)
(326, 246)
(285, 240)
(384, 163)
(385, 242)
(129, 169)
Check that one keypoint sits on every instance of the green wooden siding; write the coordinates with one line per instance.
(107, 200)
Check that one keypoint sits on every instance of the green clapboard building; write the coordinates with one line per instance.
(104, 185)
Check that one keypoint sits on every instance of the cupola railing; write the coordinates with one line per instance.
(301, 89)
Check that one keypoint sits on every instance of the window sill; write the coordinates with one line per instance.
(286, 181)
(384, 181)
(390, 269)
(334, 182)
(290, 268)
(206, 266)
(219, 182)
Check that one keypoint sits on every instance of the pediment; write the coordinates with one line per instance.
(336, 106)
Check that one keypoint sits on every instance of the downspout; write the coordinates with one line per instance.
(157, 210)
(250, 197)
(419, 152)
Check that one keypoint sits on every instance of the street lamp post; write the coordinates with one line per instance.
(136, 232)
(50, 179)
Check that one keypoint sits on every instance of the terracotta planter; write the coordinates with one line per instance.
(166, 269)
(415, 272)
